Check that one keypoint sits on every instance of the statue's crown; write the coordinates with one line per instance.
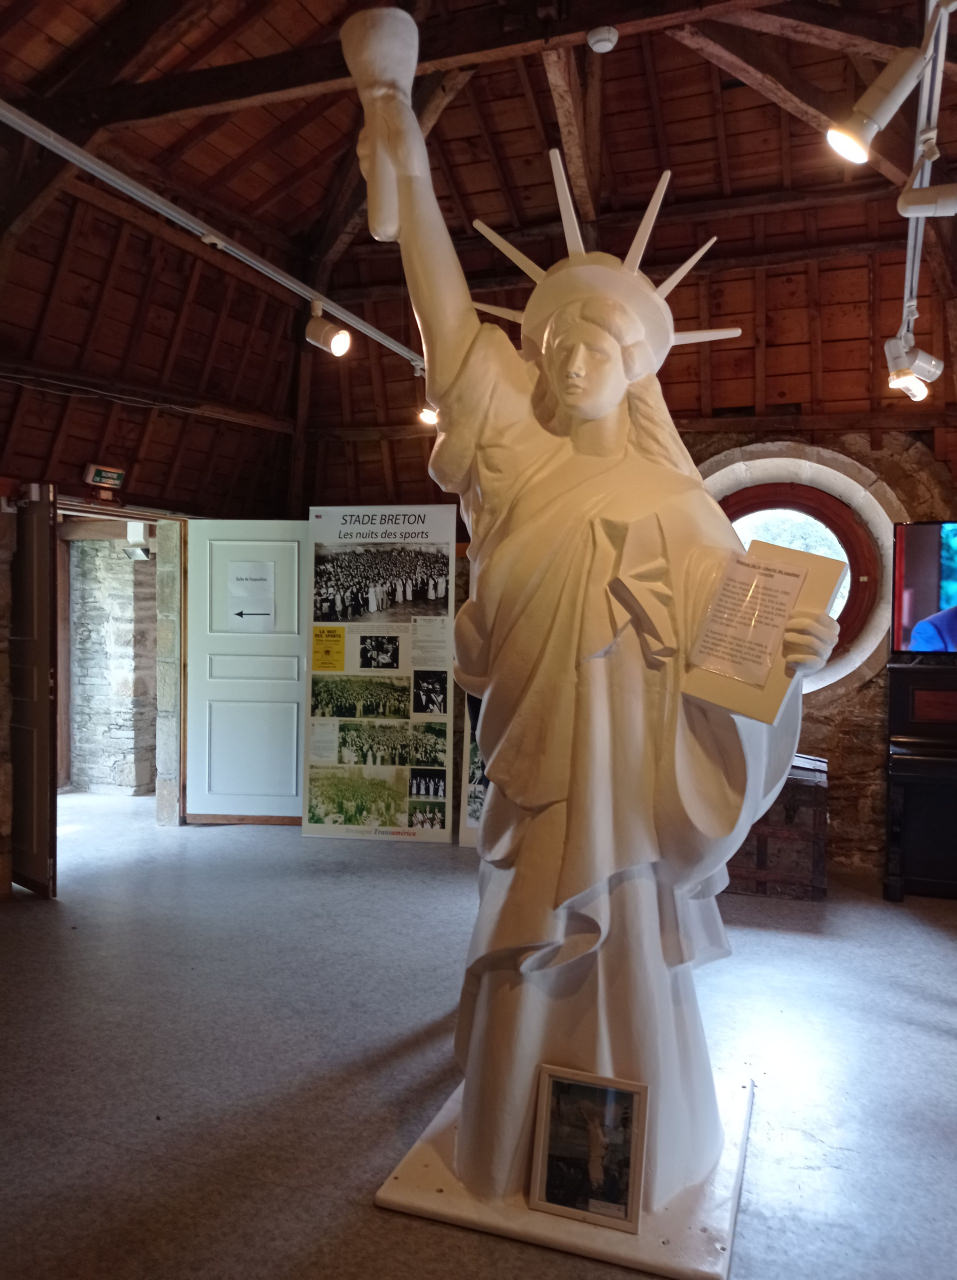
(587, 275)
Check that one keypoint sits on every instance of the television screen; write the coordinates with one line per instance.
(925, 588)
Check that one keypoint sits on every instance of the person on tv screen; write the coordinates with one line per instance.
(936, 634)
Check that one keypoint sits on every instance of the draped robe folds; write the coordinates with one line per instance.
(613, 802)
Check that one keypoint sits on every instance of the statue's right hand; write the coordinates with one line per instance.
(365, 146)
(391, 125)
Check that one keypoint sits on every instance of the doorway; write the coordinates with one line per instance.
(106, 612)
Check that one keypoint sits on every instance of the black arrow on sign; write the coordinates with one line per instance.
(247, 614)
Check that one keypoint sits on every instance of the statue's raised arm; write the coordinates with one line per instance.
(381, 47)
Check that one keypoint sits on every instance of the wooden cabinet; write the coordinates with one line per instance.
(922, 782)
(785, 853)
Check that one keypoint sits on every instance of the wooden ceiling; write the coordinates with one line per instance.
(128, 342)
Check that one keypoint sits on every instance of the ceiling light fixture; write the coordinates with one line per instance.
(325, 334)
(877, 106)
(881, 101)
(602, 39)
(909, 368)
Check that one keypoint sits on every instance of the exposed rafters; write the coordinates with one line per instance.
(126, 336)
(119, 46)
(759, 64)
(463, 39)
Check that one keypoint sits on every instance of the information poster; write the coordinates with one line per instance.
(745, 622)
(379, 747)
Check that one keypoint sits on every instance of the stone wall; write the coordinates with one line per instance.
(846, 724)
(112, 669)
(168, 622)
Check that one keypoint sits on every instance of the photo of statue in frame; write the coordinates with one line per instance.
(589, 1148)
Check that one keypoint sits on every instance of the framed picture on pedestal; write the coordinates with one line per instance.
(589, 1148)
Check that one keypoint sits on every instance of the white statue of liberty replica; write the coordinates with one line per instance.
(614, 802)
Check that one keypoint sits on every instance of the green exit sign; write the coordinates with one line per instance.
(104, 477)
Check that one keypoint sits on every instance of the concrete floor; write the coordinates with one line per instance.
(219, 1041)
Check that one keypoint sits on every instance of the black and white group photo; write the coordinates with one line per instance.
(589, 1148)
(388, 581)
(427, 782)
(371, 743)
(427, 815)
(358, 797)
(477, 783)
(430, 743)
(361, 697)
(430, 692)
(378, 652)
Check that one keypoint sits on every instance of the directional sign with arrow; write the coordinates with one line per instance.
(252, 595)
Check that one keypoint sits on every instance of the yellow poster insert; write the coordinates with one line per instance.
(328, 648)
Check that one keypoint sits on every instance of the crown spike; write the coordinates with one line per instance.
(573, 235)
(642, 235)
(504, 313)
(677, 276)
(531, 269)
(705, 335)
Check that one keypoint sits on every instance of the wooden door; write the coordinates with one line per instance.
(248, 616)
(33, 693)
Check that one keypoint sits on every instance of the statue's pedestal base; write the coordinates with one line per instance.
(690, 1239)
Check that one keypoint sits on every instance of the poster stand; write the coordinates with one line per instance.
(378, 757)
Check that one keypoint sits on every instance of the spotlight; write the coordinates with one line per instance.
(878, 104)
(429, 416)
(910, 369)
(325, 334)
(928, 202)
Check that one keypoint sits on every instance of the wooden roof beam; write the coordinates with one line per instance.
(50, 381)
(564, 83)
(447, 41)
(879, 36)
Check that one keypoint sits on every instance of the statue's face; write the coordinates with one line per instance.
(585, 371)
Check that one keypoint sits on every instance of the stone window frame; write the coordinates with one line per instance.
(831, 487)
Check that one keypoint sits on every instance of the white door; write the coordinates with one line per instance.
(247, 623)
